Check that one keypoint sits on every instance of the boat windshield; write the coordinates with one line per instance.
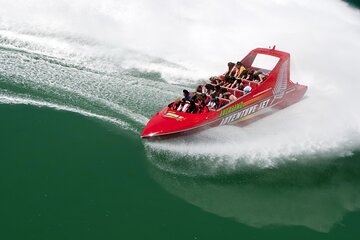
(265, 62)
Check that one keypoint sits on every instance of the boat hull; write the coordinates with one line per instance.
(241, 117)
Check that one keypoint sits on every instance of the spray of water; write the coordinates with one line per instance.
(197, 39)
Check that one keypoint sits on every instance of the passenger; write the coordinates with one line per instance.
(209, 89)
(201, 102)
(192, 107)
(230, 68)
(222, 92)
(187, 95)
(212, 96)
(248, 75)
(199, 89)
(181, 105)
(229, 96)
(247, 89)
(203, 109)
(259, 77)
(185, 106)
(230, 75)
(216, 80)
(203, 90)
(195, 97)
(244, 74)
(205, 99)
(175, 105)
(229, 81)
(213, 104)
(217, 90)
(237, 70)
(236, 83)
(241, 86)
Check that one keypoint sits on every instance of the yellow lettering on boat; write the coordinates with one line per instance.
(231, 109)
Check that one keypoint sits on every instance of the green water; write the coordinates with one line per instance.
(65, 176)
(355, 3)
(72, 164)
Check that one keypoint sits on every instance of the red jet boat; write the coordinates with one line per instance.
(274, 93)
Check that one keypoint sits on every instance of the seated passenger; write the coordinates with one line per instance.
(237, 70)
(248, 75)
(217, 90)
(203, 109)
(244, 73)
(204, 99)
(195, 97)
(213, 104)
(222, 92)
(236, 74)
(209, 89)
(175, 105)
(241, 86)
(229, 81)
(236, 83)
(229, 96)
(216, 80)
(184, 106)
(187, 95)
(259, 77)
(201, 104)
(192, 107)
(181, 105)
(230, 68)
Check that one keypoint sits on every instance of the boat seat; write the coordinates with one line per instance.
(230, 90)
(245, 82)
(254, 84)
(235, 92)
(238, 93)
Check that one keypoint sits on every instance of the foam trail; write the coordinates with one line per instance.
(5, 99)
